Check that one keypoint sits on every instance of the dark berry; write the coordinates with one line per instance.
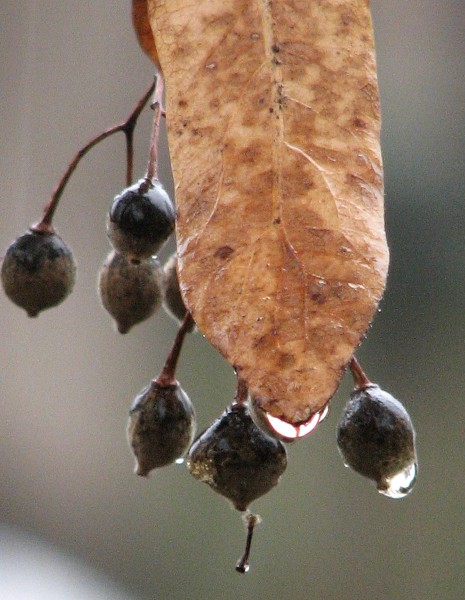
(141, 219)
(376, 438)
(236, 459)
(130, 291)
(38, 271)
(161, 426)
(172, 298)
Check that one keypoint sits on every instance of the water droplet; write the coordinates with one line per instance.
(289, 431)
(211, 66)
(179, 461)
(323, 413)
(280, 429)
(356, 286)
(242, 568)
(401, 484)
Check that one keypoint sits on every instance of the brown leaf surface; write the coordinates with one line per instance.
(140, 20)
(273, 118)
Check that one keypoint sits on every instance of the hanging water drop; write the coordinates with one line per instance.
(282, 430)
(401, 484)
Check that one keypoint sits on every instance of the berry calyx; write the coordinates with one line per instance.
(376, 437)
(38, 271)
(141, 219)
(130, 291)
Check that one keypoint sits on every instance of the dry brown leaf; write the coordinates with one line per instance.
(273, 118)
(144, 34)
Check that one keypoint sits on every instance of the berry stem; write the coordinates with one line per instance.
(242, 392)
(129, 133)
(168, 375)
(128, 126)
(242, 565)
(360, 379)
(157, 105)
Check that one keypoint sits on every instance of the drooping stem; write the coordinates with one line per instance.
(242, 565)
(360, 379)
(168, 375)
(157, 105)
(128, 126)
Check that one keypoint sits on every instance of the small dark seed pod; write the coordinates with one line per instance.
(236, 459)
(38, 271)
(376, 439)
(141, 219)
(161, 426)
(130, 291)
(172, 298)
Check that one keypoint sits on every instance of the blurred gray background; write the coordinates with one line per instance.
(71, 69)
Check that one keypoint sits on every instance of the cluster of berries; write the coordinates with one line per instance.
(38, 269)
(241, 455)
(131, 281)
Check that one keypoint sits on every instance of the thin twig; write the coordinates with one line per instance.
(168, 375)
(360, 379)
(157, 105)
(127, 127)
